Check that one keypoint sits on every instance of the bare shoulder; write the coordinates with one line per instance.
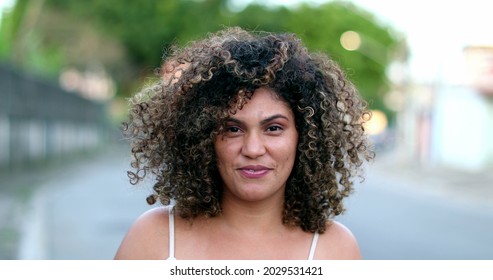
(147, 238)
(337, 242)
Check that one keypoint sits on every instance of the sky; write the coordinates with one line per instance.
(436, 30)
(6, 4)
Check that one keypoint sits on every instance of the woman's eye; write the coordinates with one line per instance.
(274, 128)
(233, 129)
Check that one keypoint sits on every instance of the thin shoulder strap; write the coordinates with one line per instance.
(171, 226)
(313, 246)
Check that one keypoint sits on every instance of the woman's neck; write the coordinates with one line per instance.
(252, 217)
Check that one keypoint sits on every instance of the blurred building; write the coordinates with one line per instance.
(450, 123)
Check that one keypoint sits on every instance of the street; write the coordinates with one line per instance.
(84, 214)
(392, 222)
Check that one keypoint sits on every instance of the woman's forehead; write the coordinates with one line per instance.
(264, 101)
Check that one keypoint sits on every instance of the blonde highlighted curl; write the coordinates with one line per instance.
(172, 124)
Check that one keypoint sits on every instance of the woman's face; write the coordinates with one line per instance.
(256, 153)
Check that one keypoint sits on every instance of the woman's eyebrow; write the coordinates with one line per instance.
(273, 117)
(263, 122)
(235, 120)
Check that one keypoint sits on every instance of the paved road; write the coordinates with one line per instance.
(395, 214)
(85, 212)
(396, 222)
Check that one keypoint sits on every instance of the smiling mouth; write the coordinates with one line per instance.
(254, 172)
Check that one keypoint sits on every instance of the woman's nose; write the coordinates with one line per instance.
(253, 145)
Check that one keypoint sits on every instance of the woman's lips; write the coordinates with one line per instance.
(254, 171)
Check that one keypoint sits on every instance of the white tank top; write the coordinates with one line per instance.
(172, 239)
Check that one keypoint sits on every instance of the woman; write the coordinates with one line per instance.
(253, 143)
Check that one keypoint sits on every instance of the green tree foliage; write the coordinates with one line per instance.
(130, 38)
(23, 45)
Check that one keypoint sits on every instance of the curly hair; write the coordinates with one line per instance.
(173, 123)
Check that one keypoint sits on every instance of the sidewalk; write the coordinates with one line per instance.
(84, 211)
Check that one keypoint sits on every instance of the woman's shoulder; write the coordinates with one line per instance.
(148, 236)
(337, 242)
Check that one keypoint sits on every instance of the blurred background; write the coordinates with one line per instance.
(67, 68)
